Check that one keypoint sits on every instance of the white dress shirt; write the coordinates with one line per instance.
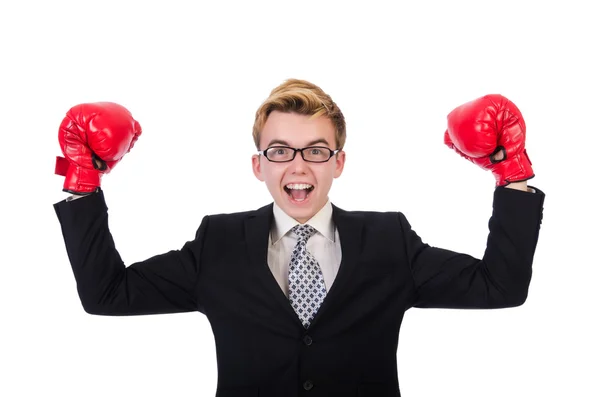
(323, 245)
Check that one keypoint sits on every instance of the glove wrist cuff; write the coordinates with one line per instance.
(514, 169)
(80, 180)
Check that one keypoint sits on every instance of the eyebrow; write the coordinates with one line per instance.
(280, 142)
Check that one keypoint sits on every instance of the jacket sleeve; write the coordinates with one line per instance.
(447, 279)
(161, 284)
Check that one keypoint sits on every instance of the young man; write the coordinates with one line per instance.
(304, 298)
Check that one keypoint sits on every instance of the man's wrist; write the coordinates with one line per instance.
(518, 186)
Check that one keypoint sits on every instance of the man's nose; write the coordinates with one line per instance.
(298, 163)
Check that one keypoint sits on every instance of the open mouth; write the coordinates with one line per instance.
(298, 192)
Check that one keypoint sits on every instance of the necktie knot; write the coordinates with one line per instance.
(304, 232)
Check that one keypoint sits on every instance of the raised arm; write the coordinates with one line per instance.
(94, 138)
(490, 132)
(161, 284)
(447, 279)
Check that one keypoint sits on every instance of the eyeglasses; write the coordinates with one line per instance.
(312, 154)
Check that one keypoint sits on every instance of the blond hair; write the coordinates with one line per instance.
(302, 97)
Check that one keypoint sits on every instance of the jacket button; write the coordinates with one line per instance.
(308, 385)
(307, 340)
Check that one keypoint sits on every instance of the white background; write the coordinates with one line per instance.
(193, 73)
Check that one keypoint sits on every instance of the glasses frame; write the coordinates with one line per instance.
(301, 150)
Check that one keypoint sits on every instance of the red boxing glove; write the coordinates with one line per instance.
(480, 129)
(93, 137)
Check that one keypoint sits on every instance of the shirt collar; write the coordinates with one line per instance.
(322, 221)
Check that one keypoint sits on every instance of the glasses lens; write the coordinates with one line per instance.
(280, 153)
(316, 154)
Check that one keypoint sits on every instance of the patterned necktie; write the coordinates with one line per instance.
(306, 284)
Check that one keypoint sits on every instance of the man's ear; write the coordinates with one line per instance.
(256, 167)
(340, 160)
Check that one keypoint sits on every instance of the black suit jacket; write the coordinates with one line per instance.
(262, 348)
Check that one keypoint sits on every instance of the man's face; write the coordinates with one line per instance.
(298, 131)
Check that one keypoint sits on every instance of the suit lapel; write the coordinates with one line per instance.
(350, 229)
(257, 228)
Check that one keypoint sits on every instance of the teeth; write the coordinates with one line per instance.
(298, 186)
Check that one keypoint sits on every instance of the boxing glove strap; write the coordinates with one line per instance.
(61, 166)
